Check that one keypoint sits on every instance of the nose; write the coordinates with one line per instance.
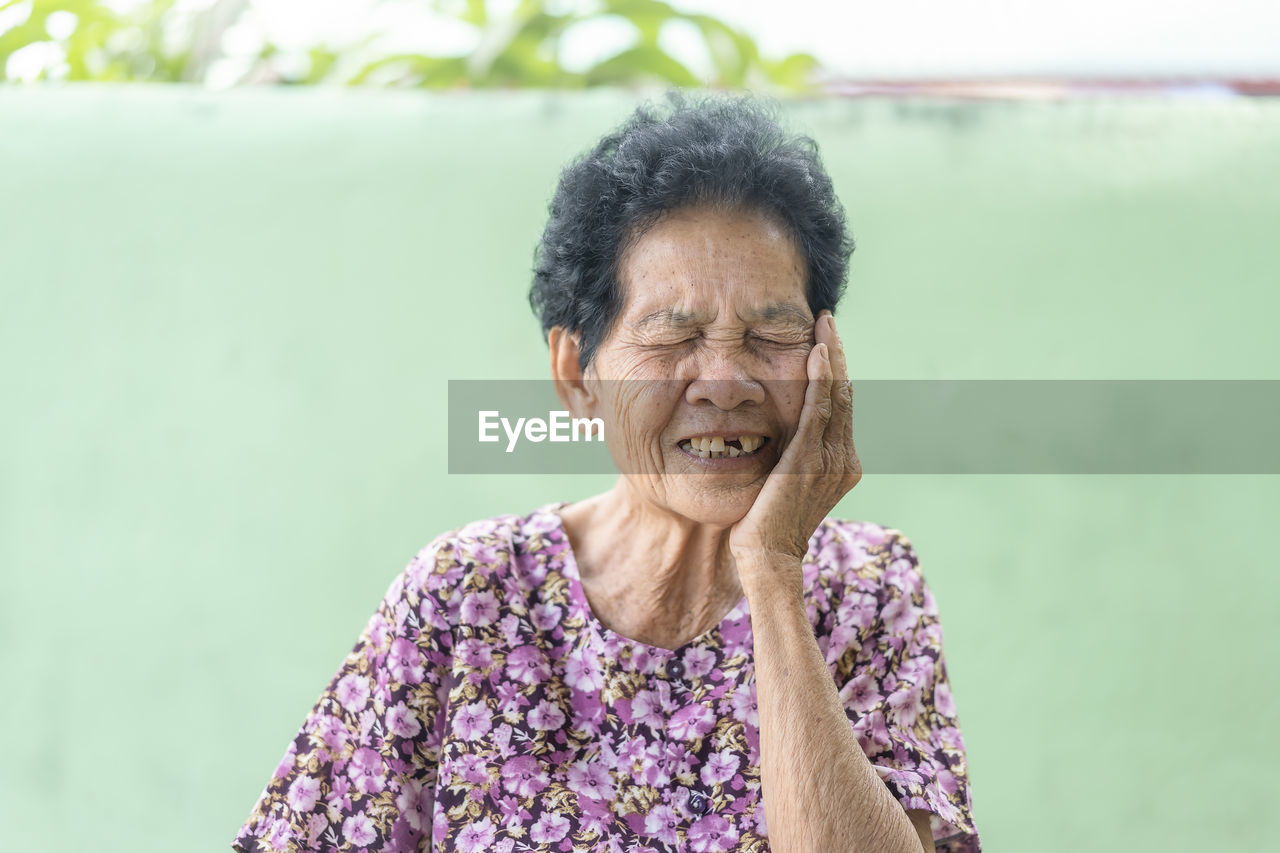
(723, 382)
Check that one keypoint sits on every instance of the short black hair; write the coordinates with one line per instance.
(691, 150)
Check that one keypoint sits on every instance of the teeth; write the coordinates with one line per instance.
(715, 447)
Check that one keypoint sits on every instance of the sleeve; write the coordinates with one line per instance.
(360, 774)
(894, 688)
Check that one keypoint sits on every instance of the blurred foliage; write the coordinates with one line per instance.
(168, 41)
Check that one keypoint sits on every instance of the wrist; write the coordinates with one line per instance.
(770, 578)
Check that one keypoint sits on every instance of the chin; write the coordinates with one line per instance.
(715, 507)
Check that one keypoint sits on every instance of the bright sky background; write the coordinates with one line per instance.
(920, 38)
(852, 38)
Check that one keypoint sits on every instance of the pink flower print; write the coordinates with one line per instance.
(583, 672)
(316, 824)
(303, 793)
(524, 776)
(743, 703)
(415, 802)
(546, 717)
(473, 721)
(903, 575)
(378, 627)
(907, 779)
(873, 733)
(278, 836)
(480, 608)
(809, 573)
(353, 692)
(338, 793)
(872, 534)
(842, 636)
(590, 779)
(942, 699)
(474, 653)
(900, 615)
(510, 627)
(544, 616)
(720, 767)
(698, 662)
(594, 816)
(286, 763)
(550, 828)
(661, 823)
(588, 713)
(472, 769)
(712, 834)
(860, 611)
(646, 708)
(680, 760)
(402, 721)
(631, 751)
(477, 837)
(405, 662)
(332, 732)
(692, 722)
(358, 830)
(862, 693)
(737, 639)
(653, 767)
(906, 704)
(947, 782)
(918, 670)
(528, 664)
(542, 522)
(844, 553)
(501, 739)
(431, 615)
(367, 771)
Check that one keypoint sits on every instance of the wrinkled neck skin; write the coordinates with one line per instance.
(650, 574)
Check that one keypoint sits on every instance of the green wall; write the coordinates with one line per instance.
(226, 327)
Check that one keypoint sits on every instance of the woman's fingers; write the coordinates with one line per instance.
(840, 429)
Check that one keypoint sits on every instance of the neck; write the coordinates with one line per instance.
(650, 574)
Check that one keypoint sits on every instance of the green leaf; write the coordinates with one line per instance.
(640, 64)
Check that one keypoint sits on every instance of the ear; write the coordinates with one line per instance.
(571, 388)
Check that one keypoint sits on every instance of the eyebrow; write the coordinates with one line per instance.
(769, 313)
(664, 317)
(784, 311)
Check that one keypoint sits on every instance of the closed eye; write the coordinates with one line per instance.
(777, 342)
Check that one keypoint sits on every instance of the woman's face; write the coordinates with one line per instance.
(702, 379)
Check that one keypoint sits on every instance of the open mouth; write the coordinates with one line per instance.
(722, 447)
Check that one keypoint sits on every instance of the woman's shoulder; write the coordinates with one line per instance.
(863, 554)
(856, 543)
(484, 551)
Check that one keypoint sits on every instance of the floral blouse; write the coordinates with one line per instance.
(484, 708)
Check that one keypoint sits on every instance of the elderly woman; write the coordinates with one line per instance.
(699, 659)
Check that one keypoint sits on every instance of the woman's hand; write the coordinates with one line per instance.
(816, 469)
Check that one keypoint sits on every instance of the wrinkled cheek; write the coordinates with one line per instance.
(788, 398)
(634, 436)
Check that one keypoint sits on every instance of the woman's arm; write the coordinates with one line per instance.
(821, 793)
